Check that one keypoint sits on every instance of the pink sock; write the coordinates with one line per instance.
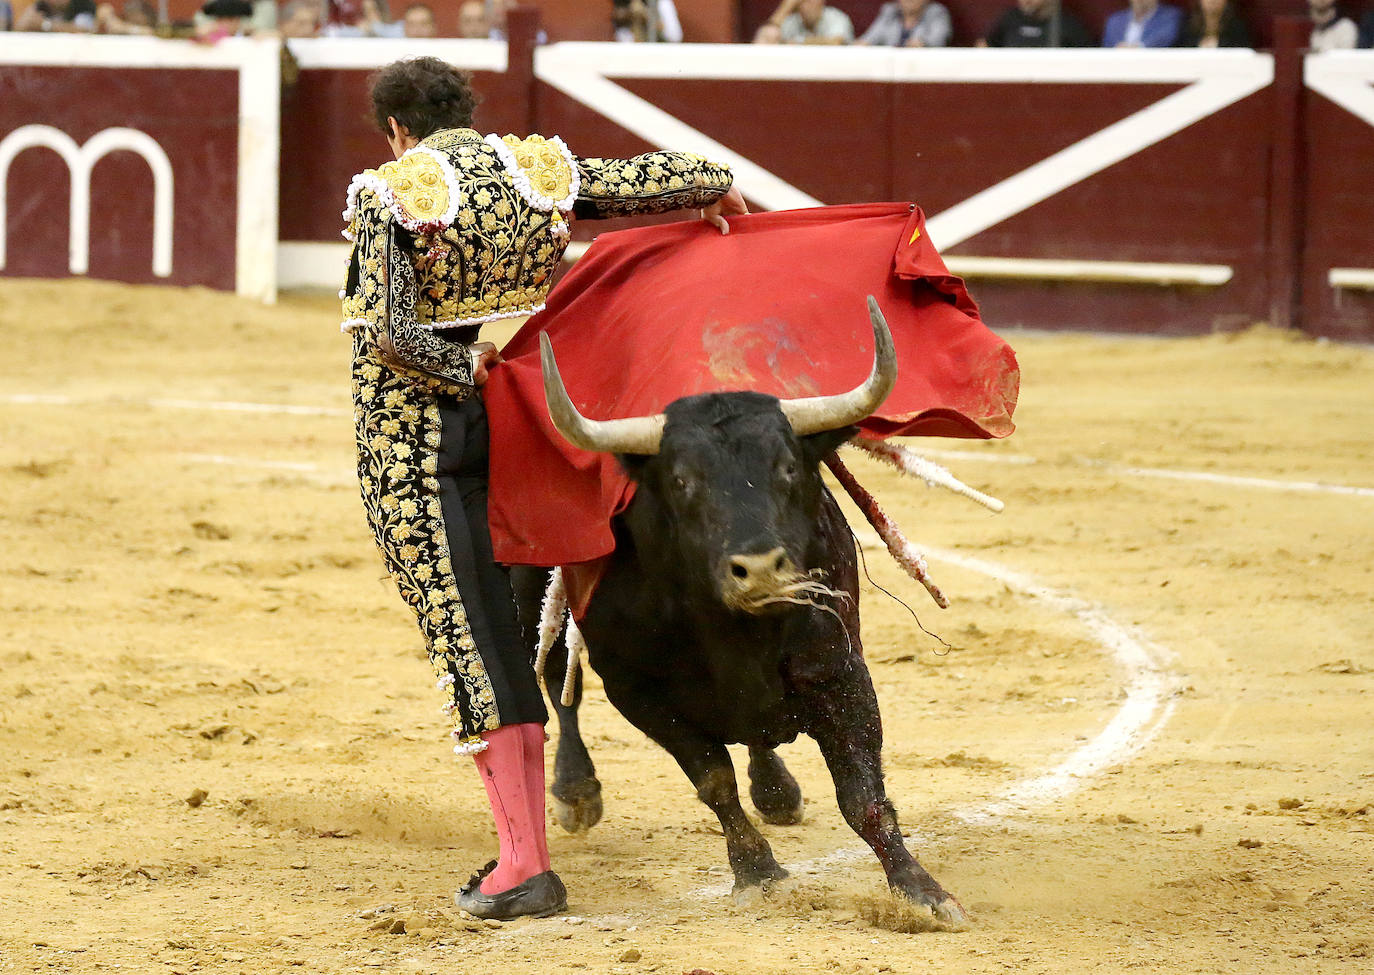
(505, 772)
(532, 743)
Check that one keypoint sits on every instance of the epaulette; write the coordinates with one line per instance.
(542, 169)
(420, 189)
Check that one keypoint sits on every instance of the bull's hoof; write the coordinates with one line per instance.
(774, 791)
(951, 913)
(779, 816)
(753, 886)
(944, 907)
(579, 808)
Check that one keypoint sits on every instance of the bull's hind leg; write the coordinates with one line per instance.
(772, 789)
(848, 729)
(576, 790)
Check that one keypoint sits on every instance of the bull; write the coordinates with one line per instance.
(728, 613)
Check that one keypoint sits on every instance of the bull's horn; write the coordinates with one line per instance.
(818, 413)
(634, 435)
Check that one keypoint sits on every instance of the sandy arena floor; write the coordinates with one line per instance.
(222, 752)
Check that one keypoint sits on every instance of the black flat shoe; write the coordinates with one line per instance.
(540, 896)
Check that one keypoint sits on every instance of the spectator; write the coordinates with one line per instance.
(137, 17)
(6, 15)
(1037, 23)
(812, 22)
(473, 21)
(300, 18)
(77, 17)
(646, 20)
(1146, 23)
(909, 23)
(224, 18)
(1214, 23)
(419, 21)
(496, 14)
(1331, 30)
(768, 33)
(1367, 29)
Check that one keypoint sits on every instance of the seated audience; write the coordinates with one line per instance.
(768, 33)
(1214, 23)
(1367, 29)
(909, 23)
(1146, 23)
(1037, 23)
(812, 22)
(473, 22)
(418, 21)
(74, 17)
(1331, 29)
(137, 17)
(299, 18)
(496, 16)
(645, 20)
(224, 18)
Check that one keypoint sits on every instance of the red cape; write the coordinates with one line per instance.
(777, 305)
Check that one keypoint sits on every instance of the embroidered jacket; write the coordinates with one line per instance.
(465, 229)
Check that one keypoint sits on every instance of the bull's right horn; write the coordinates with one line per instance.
(633, 435)
(816, 414)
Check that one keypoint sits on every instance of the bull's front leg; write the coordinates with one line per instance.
(751, 858)
(848, 729)
(711, 772)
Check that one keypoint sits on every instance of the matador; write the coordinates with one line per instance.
(460, 230)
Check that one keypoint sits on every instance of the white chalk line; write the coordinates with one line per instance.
(1149, 702)
(232, 406)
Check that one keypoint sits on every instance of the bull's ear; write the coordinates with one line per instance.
(633, 465)
(818, 445)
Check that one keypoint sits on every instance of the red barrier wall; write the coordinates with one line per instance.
(192, 114)
(327, 137)
(1339, 226)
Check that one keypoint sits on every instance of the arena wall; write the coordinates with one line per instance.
(1131, 190)
(150, 160)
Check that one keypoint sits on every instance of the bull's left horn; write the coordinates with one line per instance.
(818, 413)
(633, 435)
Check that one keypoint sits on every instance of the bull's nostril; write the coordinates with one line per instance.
(739, 571)
(780, 563)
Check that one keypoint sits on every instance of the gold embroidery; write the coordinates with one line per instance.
(398, 435)
(417, 183)
(545, 166)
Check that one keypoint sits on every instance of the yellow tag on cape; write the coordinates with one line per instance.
(915, 234)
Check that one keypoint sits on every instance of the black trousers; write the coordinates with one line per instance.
(483, 585)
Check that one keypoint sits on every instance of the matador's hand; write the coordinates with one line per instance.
(484, 356)
(729, 205)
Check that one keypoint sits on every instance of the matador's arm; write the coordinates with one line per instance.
(655, 182)
(379, 299)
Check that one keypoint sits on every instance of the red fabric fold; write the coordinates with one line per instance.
(777, 306)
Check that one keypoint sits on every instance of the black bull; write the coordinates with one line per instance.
(729, 614)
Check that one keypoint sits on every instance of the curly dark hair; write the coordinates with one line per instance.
(423, 95)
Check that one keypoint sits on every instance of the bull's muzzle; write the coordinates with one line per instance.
(755, 582)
